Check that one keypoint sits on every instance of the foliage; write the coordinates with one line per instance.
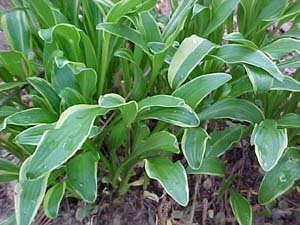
(107, 78)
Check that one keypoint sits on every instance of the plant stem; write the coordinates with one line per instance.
(103, 158)
(103, 64)
(124, 182)
(11, 94)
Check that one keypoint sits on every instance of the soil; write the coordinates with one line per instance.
(151, 206)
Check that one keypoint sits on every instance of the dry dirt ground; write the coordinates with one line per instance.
(209, 204)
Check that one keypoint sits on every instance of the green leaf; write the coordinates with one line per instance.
(209, 166)
(171, 176)
(126, 54)
(61, 143)
(270, 143)
(144, 6)
(220, 14)
(158, 48)
(124, 31)
(39, 101)
(194, 146)
(189, 54)
(222, 140)
(240, 86)
(120, 9)
(16, 29)
(293, 32)
(240, 54)
(194, 91)
(260, 79)
(287, 84)
(263, 82)
(28, 198)
(198, 9)
(281, 177)
(176, 23)
(6, 176)
(74, 75)
(73, 42)
(162, 140)
(90, 16)
(53, 199)
(71, 10)
(233, 108)
(16, 64)
(46, 14)
(6, 110)
(111, 101)
(129, 112)
(291, 10)
(63, 76)
(33, 135)
(290, 63)
(82, 175)
(160, 100)
(87, 79)
(149, 28)
(11, 85)
(119, 133)
(145, 147)
(168, 109)
(241, 208)
(272, 10)
(281, 47)
(141, 132)
(8, 166)
(237, 37)
(290, 120)
(71, 97)
(56, 175)
(29, 117)
(47, 91)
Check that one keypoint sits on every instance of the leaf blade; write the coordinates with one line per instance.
(82, 175)
(194, 146)
(270, 143)
(53, 199)
(193, 95)
(190, 53)
(167, 173)
(241, 208)
(233, 108)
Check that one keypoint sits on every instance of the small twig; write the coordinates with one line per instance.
(112, 115)
(226, 204)
(11, 94)
(161, 217)
(196, 189)
(108, 121)
(204, 211)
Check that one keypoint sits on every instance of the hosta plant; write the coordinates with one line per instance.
(113, 83)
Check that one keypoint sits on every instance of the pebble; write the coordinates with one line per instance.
(207, 184)
(220, 218)
(278, 213)
(211, 213)
(278, 222)
(176, 214)
(282, 204)
(296, 214)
